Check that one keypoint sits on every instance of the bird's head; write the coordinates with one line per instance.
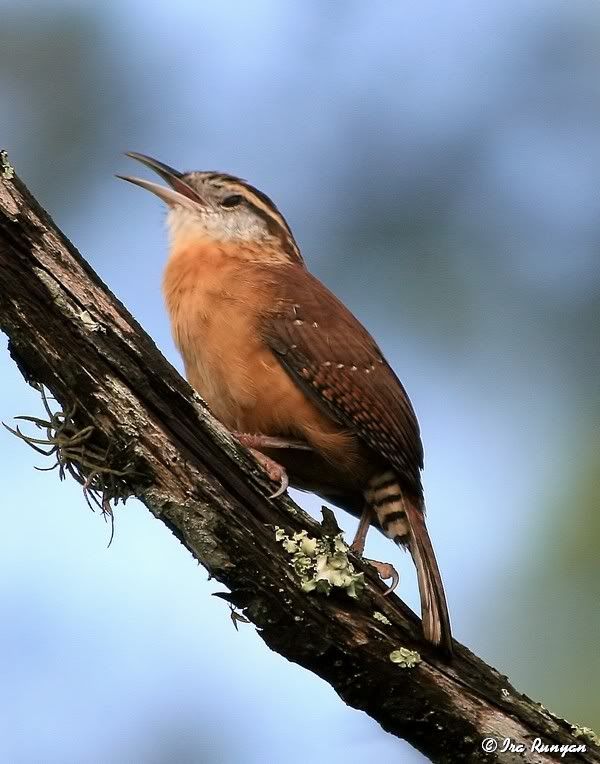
(216, 207)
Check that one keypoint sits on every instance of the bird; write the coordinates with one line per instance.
(288, 368)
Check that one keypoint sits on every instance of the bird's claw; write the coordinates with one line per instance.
(254, 442)
(283, 484)
(275, 472)
(385, 570)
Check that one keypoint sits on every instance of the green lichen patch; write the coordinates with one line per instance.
(7, 171)
(322, 564)
(405, 658)
(380, 617)
(586, 733)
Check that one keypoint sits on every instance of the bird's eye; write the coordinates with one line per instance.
(232, 201)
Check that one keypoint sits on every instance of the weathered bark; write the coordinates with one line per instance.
(69, 333)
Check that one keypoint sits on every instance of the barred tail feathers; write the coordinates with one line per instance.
(402, 519)
(385, 498)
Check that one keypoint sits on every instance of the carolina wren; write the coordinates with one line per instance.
(277, 356)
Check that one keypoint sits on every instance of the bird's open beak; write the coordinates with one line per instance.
(180, 193)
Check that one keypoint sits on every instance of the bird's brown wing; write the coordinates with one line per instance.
(326, 350)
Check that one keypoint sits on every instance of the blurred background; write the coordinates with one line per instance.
(439, 163)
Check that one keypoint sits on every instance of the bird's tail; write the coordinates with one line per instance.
(402, 519)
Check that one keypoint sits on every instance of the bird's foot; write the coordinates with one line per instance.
(385, 570)
(255, 442)
(274, 470)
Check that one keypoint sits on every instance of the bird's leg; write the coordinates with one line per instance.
(254, 442)
(258, 441)
(384, 570)
(366, 518)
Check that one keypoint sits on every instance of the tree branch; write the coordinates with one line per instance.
(138, 429)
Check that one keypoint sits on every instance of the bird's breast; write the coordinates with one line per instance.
(215, 302)
(211, 320)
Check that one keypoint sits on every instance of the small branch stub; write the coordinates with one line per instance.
(7, 171)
